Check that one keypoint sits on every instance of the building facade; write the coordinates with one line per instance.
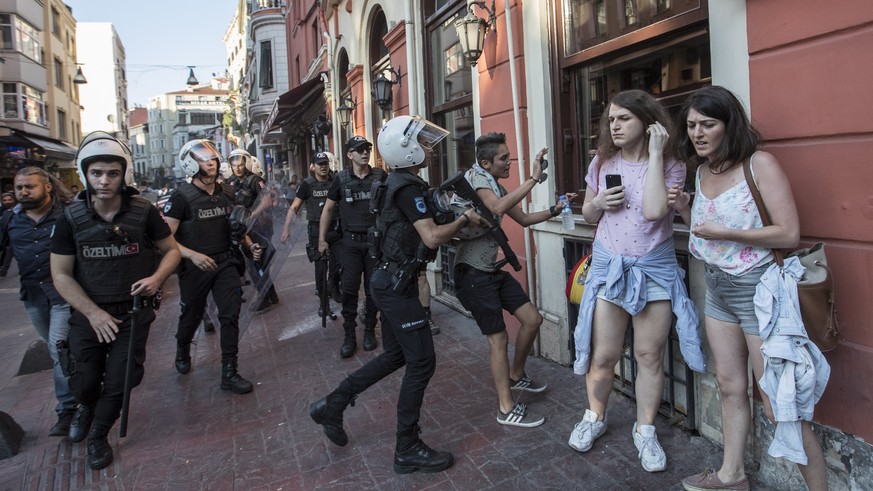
(39, 116)
(143, 172)
(104, 97)
(235, 43)
(266, 77)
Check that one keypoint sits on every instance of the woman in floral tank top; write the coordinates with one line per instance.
(728, 236)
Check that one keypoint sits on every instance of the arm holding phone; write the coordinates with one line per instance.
(608, 199)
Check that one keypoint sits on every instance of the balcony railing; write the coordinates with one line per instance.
(258, 5)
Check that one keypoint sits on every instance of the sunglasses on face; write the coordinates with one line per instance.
(362, 150)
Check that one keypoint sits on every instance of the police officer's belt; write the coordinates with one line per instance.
(356, 236)
(121, 308)
(221, 256)
(389, 266)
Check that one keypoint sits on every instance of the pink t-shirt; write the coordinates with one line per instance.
(626, 231)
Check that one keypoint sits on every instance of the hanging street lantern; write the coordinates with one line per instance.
(79, 78)
(192, 80)
(383, 88)
(472, 30)
(345, 111)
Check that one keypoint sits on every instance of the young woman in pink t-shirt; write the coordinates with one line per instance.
(634, 222)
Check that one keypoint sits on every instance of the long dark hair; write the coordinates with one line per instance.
(741, 139)
(643, 106)
(59, 191)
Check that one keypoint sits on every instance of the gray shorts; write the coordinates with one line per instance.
(654, 292)
(731, 298)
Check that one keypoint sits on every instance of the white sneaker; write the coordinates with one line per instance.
(651, 454)
(586, 431)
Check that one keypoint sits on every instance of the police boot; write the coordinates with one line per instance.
(349, 343)
(183, 357)
(328, 412)
(231, 380)
(81, 424)
(411, 454)
(99, 450)
(369, 338)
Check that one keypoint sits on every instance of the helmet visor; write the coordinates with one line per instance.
(204, 151)
(427, 133)
(237, 160)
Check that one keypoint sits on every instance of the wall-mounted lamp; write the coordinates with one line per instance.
(192, 80)
(472, 30)
(383, 88)
(346, 111)
(79, 78)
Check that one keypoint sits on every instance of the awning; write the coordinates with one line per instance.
(25, 144)
(53, 148)
(291, 104)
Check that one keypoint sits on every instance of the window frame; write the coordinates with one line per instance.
(265, 70)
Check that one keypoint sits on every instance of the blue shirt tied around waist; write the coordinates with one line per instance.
(795, 371)
(625, 280)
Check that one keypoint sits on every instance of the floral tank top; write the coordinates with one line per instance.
(736, 209)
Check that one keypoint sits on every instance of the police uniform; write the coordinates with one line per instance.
(406, 337)
(204, 228)
(352, 195)
(110, 257)
(313, 193)
(245, 193)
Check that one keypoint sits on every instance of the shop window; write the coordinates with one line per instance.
(591, 22)
(451, 90)
(32, 105)
(670, 73)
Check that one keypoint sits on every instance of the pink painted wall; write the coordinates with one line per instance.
(811, 64)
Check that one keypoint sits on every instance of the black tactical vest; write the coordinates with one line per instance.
(354, 204)
(110, 257)
(315, 203)
(400, 239)
(245, 189)
(208, 230)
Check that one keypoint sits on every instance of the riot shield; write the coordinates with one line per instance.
(264, 227)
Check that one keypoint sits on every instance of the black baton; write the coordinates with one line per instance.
(125, 403)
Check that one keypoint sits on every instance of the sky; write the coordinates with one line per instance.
(191, 32)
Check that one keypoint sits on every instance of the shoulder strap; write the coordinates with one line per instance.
(759, 202)
(190, 192)
(77, 214)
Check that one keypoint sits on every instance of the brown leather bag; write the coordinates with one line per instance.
(815, 290)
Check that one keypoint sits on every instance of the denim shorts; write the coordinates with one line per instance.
(654, 292)
(731, 298)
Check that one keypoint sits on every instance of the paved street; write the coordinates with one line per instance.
(186, 434)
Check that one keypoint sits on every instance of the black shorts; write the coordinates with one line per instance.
(486, 295)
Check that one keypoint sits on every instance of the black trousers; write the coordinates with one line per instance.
(98, 379)
(355, 260)
(224, 283)
(406, 340)
(333, 265)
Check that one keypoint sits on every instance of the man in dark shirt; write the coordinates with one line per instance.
(28, 231)
(8, 201)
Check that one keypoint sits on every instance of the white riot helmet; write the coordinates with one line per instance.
(256, 167)
(193, 153)
(240, 155)
(403, 140)
(100, 145)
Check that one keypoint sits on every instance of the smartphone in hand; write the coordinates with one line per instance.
(613, 180)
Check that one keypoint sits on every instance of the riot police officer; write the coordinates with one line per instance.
(246, 184)
(313, 193)
(350, 190)
(411, 236)
(104, 258)
(200, 215)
